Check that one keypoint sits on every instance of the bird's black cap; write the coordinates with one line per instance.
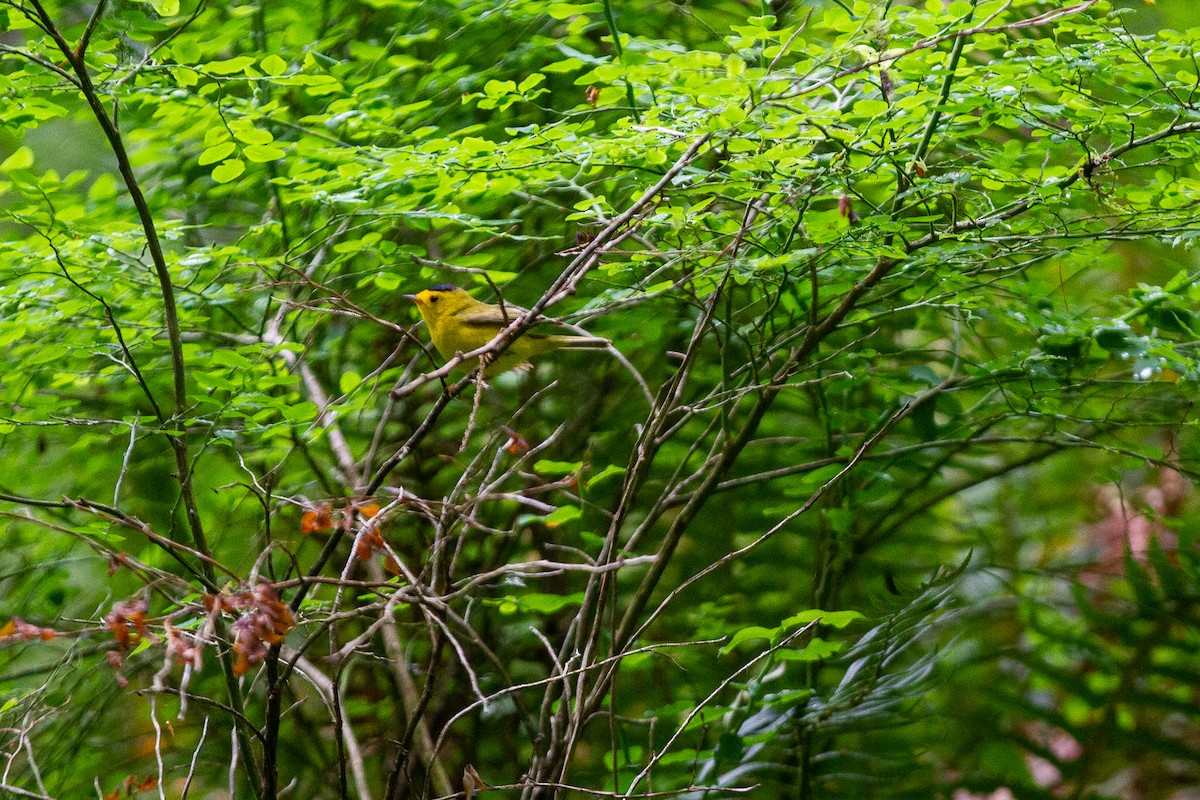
(442, 287)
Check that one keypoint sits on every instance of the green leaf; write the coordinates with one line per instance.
(228, 170)
(22, 158)
(185, 50)
(103, 188)
(349, 381)
(387, 281)
(229, 66)
(836, 619)
(869, 108)
(604, 474)
(224, 357)
(816, 650)
(248, 135)
(565, 65)
(216, 153)
(541, 603)
(305, 411)
(495, 88)
(562, 515)
(508, 607)
(262, 153)
(273, 65)
(537, 602)
(547, 467)
(530, 82)
(567, 10)
(747, 634)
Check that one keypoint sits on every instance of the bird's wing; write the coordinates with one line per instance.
(492, 316)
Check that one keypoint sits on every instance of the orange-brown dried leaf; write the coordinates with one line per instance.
(362, 550)
(242, 665)
(266, 623)
(121, 633)
(238, 601)
(248, 643)
(368, 510)
(517, 445)
(370, 542)
(316, 520)
(268, 602)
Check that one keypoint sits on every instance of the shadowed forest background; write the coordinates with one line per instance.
(885, 489)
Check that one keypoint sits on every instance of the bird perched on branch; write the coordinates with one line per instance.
(458, 323)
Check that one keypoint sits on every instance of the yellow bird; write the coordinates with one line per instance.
(458, 323)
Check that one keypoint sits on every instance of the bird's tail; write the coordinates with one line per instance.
(579, 342)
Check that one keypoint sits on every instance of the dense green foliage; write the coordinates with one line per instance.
(883, 491)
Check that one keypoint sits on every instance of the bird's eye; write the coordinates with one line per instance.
(433, 299)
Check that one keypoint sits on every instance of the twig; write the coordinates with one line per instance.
(187, 783)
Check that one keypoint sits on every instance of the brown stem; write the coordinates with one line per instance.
(171, 318)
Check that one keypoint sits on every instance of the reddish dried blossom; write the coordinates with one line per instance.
(116, 660)
(184, 647)
(846, 209)
(123, 615)
(266, 623)
(17, 628)
(115, 562)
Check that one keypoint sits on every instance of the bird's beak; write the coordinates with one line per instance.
(412, 297)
